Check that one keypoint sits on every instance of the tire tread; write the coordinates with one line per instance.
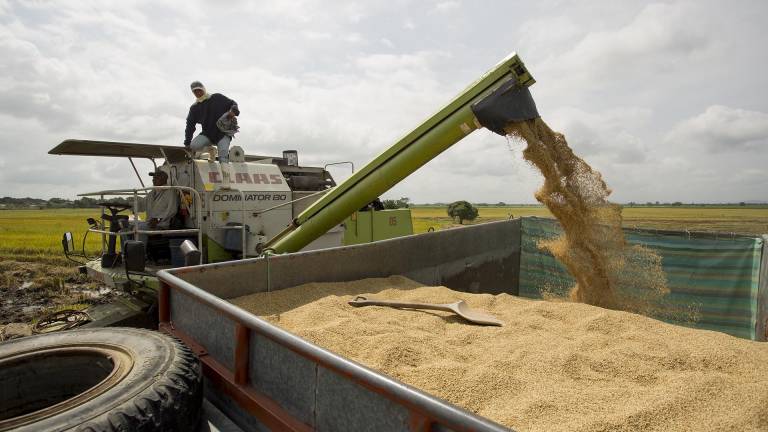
(171, 403)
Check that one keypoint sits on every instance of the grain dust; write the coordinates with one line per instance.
(554, 366)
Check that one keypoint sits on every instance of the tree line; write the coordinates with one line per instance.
(404, 202)
(55, 203)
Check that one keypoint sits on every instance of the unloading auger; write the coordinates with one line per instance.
(497, 98)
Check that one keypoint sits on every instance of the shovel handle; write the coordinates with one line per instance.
(364, 301)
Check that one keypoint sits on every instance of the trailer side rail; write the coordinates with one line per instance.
(287, 383)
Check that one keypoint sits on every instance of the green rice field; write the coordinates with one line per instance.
(727, 219)
(35, 235)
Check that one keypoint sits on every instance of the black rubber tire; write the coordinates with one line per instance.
(160, 391)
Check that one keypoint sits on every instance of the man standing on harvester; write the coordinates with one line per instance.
(217, 115)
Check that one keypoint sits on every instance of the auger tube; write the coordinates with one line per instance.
(499, 96)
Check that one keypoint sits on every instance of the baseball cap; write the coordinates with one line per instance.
(197, 85)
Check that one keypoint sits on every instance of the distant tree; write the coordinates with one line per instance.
(58, 203)
(501, 204)
(403, 202)
(85, 202)
(462, 210)
(677, 203)
(23, 202)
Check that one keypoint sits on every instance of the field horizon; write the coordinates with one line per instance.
(35, 235)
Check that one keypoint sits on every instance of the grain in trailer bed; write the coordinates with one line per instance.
(555, 366)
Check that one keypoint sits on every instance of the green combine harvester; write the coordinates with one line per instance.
(271, 203)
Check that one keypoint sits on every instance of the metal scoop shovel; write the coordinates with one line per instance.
(460, 308)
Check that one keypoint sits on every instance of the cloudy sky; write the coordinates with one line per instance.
(669, 100)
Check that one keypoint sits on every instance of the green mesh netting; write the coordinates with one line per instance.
(718, 275)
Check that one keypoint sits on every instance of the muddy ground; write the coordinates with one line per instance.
(30, 290)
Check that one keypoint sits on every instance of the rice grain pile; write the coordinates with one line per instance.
(554, 366)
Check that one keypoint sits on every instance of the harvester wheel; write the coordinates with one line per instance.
(106, 379)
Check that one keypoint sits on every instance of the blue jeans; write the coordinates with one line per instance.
(201, 141)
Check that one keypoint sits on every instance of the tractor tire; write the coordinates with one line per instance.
(104, 379)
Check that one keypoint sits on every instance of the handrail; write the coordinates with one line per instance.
(103, 237)
(144, 191)
(258, 212)
(153, 232)
(340, 163)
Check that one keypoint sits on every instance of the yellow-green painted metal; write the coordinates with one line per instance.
(216, 252)
(115, 276)
(368, 226)
(433, 136)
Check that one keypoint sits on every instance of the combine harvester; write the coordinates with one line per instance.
(264, 378)
(227, 211)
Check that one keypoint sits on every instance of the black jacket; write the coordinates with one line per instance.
(206, 113)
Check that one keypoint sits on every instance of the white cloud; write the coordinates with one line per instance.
(658, 30)
(720, 128)
(643, 53)
(543, 36)
(315, 35)
(406, 69)
(342, 81)
(608, 136)
(447, 6)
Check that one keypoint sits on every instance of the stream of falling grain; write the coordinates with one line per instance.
(609, 272)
